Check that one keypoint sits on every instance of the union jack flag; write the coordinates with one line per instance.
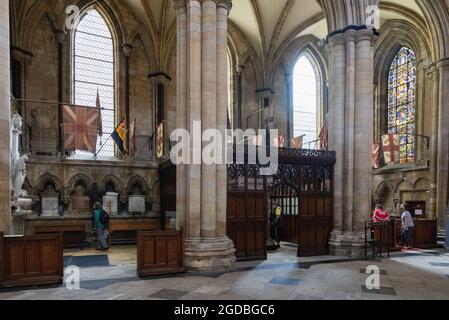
(80, 128)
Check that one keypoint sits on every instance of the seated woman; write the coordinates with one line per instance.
(380, 215)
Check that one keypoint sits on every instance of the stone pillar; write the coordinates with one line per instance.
(289, 99)
(202, 96)
(434, 77)
(351, 135)
(239, 86)
(5, 117)
(443, 137)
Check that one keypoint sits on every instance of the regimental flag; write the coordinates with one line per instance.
(375, 155)
(279, 142)
(100, 118)
(119, 137)
(391, 148)
(132, 138)
(80, 126)
(298, 142)
(324, 136)
(160, 141)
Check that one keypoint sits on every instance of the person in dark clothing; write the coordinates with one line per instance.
(101, 229)
(276, 223)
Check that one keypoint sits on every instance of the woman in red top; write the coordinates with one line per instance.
(380, 215)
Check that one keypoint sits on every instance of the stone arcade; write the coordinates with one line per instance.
(303, 67)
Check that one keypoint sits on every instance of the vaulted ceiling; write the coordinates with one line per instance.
(267, 24)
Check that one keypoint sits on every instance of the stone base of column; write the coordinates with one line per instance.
(347, 244)
(209, 255)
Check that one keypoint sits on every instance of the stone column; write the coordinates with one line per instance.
(5, 116)
(289, 99)
(239, 86)
(443, 137)
(434, 77)
(351, 135)
(202, 96)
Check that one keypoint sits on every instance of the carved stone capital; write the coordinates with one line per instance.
(127, 49)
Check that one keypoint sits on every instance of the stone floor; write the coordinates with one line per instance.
(407, 275)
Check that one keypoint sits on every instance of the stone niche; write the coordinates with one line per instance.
(80, 203)
(137, 201)
(110, 200)
(50, 206)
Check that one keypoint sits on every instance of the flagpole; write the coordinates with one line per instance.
(96, 153)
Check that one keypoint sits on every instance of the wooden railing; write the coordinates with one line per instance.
(31, 260)
(160, 253)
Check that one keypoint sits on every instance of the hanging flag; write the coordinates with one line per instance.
(279, 142)
(298, 142)
(100, 118)
(324, 136)
(375, 155)
(160, 141)
(119, 137)
(391, 148)
(80, 126)
(132, 138)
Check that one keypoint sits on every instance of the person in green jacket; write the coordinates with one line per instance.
(102, 243)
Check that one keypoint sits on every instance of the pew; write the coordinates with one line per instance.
(31, 260)
(160, 253)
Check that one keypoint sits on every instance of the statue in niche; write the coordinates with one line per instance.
(18, 177)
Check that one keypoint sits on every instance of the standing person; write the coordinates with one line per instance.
(407, 227)
(101, 220)
(380, 215)
(276, 223)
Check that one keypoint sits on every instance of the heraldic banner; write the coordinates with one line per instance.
(80, 125)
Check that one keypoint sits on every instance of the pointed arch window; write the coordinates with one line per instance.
(305, 102)
(93, 70)
(401, 102)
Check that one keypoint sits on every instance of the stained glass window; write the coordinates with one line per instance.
(93, 69)
(305, 99)
(401, 102)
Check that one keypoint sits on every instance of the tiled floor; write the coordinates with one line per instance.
(410, 275)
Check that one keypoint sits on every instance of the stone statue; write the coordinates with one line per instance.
(18, 176)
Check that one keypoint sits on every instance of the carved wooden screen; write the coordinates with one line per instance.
(247, 212)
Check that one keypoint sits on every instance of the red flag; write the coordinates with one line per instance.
(297, 142)
(279, 142)
(324, 136)
(375, 155)
(80, 128)
(391, 148)
(100, 118)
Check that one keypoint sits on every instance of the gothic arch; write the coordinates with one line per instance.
(422, 183)
(115, 181)
(403, 182)
(44, 180)
(141, 182)
(75, 180)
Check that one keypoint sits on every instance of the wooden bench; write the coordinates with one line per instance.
(128, 225)
(65, 231)
(31, 260)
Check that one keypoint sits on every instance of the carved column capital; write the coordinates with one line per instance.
(127, 49)
(179, 4)
(61, 36)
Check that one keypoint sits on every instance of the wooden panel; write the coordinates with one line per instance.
(160, 252)
(247, 224)
(73, 234)
(126, 230)
(31, 260)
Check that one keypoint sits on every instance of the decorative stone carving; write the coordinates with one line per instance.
(110, 203)
(136, 204)
(50, 202)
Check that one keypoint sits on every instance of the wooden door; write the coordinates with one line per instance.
(315, 223)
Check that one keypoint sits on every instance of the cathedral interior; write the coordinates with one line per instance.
(357, 90)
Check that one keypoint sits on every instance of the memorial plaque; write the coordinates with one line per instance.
(81, 203)
(136, 204)
(110, 203)
(50, 206)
